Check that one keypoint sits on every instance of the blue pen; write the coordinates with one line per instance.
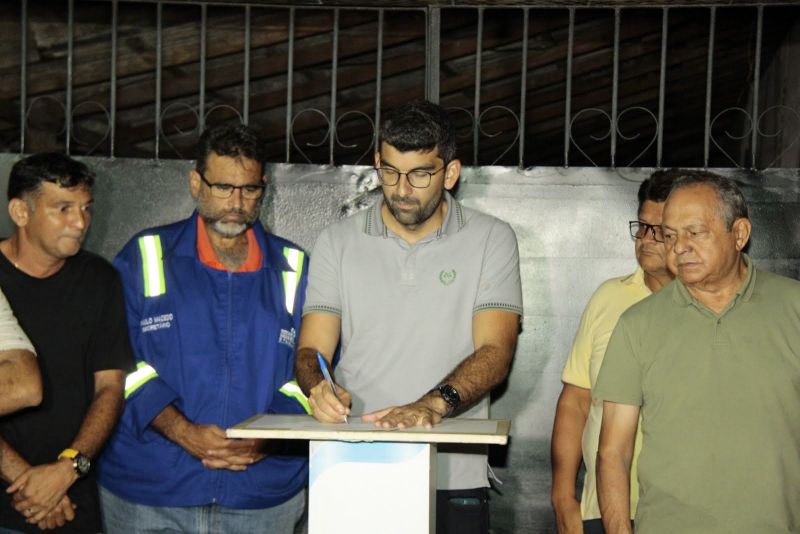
(323, 366)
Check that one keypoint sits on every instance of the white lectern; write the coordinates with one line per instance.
(363, 479)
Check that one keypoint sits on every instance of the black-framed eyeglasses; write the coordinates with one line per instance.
(639, 229)
(223, 190)
(417, 178)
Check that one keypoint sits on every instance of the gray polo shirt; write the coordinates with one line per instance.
(407, 310)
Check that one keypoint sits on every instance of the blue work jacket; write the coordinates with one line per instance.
(217, 345)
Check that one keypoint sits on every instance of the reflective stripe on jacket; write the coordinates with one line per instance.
(217, 345)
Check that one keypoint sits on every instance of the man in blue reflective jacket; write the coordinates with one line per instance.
(213, 306)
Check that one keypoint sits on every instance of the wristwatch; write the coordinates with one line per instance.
(80, 462)
(450, 396)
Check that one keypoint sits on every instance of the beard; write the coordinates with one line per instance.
(413, 217)
(237, 223)
(227, 229)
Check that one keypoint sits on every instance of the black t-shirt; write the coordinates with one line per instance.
(76, 321)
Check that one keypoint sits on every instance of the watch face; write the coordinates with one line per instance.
(82, 464)
(450, 395)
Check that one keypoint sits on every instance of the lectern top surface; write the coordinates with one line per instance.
(489, 431)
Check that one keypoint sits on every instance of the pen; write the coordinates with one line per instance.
(323, 366)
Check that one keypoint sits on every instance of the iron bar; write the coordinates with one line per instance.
(113, 103)
(476, 130)
(23, 75)
(433, 38)
(289, 82)
(68, 105)
(201, 109)
(568, 96)
(709, 73)
(662, 80)
(615, 89)
(334, 80)
(378, 79)
(523, 93)
(246, 81)
(756, 81)
(159, 44)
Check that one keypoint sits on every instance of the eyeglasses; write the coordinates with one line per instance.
(639, 230)
(223, 190)
(417, 178)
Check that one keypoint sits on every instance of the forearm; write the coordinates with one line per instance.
(20, 381)
(12, 465)
(172, 424)
(307, 371)
(207, 442)
(566, 451)
(566, 455)
(100, 418)
(479, 373)
(613, 490)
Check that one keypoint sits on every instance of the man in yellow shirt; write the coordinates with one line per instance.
(576, 430)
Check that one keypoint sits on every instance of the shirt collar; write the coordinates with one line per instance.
(453, 220)
(208, 256)
(682, 296)
(636, 278)
(185, 245)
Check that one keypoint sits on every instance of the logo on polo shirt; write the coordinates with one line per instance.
(447, 277)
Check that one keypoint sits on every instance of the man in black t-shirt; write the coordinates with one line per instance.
(70, 304)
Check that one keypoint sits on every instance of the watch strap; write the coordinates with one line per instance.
(69, 453)
(450, 395)
(80, 462)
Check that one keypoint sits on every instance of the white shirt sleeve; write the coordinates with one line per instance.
(11, 334)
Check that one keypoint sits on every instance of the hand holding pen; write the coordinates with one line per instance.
(329, 403)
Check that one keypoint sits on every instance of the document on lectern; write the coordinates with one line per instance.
(487, 431)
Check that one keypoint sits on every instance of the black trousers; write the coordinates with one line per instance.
(462, 511)
(594, 526)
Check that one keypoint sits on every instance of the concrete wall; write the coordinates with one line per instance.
(572, 230)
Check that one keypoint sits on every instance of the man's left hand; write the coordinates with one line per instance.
(239, 455)
(58, 516)
(419, 413)
(39, 489)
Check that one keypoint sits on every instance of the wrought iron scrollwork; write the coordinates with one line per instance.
(194, 111)
(72, 113)
(106, 133)
(495, 134)
(477, 125)
(614, 130)
(759, 130)
(332, 130)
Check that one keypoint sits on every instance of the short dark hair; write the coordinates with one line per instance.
(232, 140)
(732, 203)
(28, 174)
(657, 187)
(419, 125)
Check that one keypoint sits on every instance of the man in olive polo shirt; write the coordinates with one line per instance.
(713, 364)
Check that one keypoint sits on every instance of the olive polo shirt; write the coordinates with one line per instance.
(720, 401)
(406, 310)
